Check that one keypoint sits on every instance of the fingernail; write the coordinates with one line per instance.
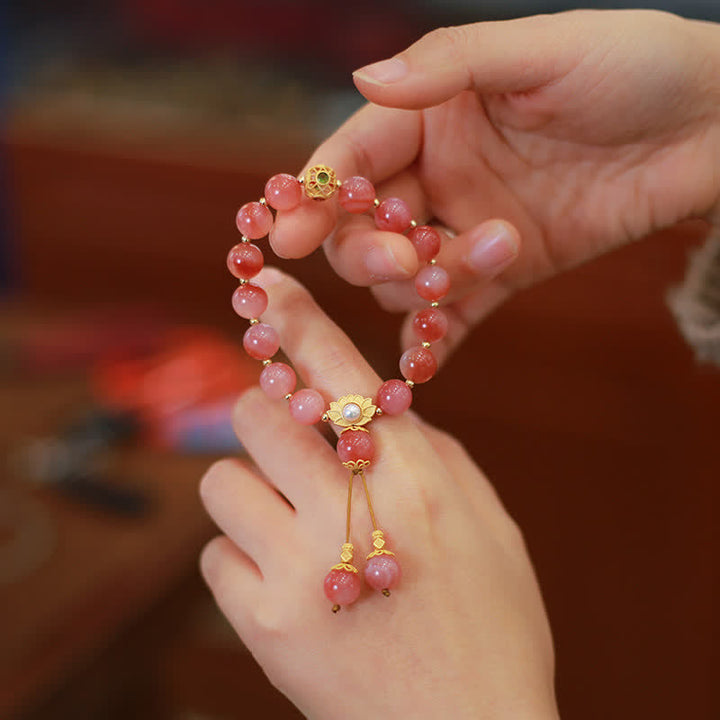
(383, 72)
(383, 265)
(494, 247)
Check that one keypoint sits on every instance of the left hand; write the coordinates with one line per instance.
(464, 635)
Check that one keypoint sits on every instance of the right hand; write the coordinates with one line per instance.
(583, 131)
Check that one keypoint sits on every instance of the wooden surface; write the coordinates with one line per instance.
(587, 411)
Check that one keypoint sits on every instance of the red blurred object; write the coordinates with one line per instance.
(326, 33)
(196, 367)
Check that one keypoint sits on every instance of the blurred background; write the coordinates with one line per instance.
(130, 132)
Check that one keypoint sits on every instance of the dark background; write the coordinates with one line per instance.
(131, 132)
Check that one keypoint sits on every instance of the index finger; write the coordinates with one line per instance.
(376, 143)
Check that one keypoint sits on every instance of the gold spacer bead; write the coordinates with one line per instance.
(338, 184)
(433, 262)
(434, 304)
(378, 411)
(336, 608)
(243, 281)
(413, 224)
(410, 384)
(376, 202)
(426, 344)
(301, 179)
(245, 239)
(254, 321)
(288, 396)
(386, 592)
(262, 201)
(266, 363)
(325, 418)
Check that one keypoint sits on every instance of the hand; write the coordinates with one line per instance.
(583, 130)
(464, 635)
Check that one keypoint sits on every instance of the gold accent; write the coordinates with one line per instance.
(410, 384)
(413, 224)
(288, 396)
(433, 262)
(347, 552)
(386, 592)
(376, 202)
(254, 321)
(244, 239)
(354, 427)
(263, 201)
(356, 466)
(344, 566)
(267, 362)
(426, 344)
(367, 410)
(242, 281)
(325, 418)
(378, 539)
(434, 304)
(320, 182)
(378, 411)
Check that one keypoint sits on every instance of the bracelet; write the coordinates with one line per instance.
(352, 412)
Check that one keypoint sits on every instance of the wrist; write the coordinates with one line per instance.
(707, 36)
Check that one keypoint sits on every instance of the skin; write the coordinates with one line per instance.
(583, 131)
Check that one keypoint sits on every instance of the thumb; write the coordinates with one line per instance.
(489, 57)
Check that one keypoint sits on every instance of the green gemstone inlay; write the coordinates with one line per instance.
(323, 178)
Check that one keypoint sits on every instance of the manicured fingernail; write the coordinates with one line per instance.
(383, 72)
(494, 247)
(383, 265)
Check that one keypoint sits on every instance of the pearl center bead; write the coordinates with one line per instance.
(351, 412)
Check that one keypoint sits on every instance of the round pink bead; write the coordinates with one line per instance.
(283, 192)
(357, 194)
(393, 214)
(307, 406)
(254, 220)
(342, 587)
(249, 301)
(394, 397)
(426, 241)
(261, 341)
(430, 325)
(418, 364)
(355, 445)
(277, 380)
(382, 572)
(245, 261)
(432, 283)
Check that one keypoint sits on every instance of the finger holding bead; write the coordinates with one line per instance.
(375, 143)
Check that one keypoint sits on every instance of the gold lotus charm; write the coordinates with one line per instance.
(320, 182)
(351, 411)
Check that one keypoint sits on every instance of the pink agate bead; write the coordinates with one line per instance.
(426, 241)
(418, 364)
(261, 341)
(307, 406)
(254, 220)
(277, 380)
(245, 261)
(249, 301)
(430, 325)
(393, 214)
(342, 587)
(382, 572)
(354, 445)
(432, 283)
(283, 192)
(357, 194)
(394, 397)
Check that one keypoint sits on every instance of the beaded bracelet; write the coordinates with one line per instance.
(351, 412)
